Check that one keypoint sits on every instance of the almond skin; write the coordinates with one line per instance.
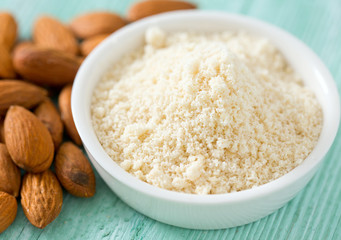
(81, 59)
(48, 114)
(147, 8)
(95, 23)
(41, 197)
(28, 141)
(46, 66)
(51, 33)
(21, 45)
(89, 44)
(8, 210)
(9, 173)
(2, 134)
(74, 171)
(16, 92)
(8, 30)
(6, 65)
(64, 102)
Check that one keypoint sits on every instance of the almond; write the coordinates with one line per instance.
(8, 30)
(8, 210)
(6, 65)
(9, 173)
(95, 23)
(147, 8)
(48, 114)
(89, 44)
(41, 197)
(81, 59)
(74, 171)
(15, 92)
(51, 33)
(28, 141)
(21, 45)
(46, 66)
(2, 136)
(64, 102)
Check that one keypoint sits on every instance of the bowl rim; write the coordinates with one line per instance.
(93, 146)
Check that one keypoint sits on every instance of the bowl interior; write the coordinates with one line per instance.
(302, 59)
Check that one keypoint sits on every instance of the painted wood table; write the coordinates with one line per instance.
(315, 213)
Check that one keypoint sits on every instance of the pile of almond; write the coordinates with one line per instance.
(31, 125)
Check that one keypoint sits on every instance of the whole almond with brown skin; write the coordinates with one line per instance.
(74, 171)
(8, 30)
(147, 8)
(46, 66)
(28, 141)
(6, 65)
(89, 44)
(8, 210)
(48, 114)
(64, 102)
(41, 197)
(9, 173)
(95, 23)
(50, 32)
(16, 92)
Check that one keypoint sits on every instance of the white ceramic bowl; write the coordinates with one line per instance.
(212, 211)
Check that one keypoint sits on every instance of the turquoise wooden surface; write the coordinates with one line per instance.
(314, 214)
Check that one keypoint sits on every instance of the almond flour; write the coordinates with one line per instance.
(205, 113)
